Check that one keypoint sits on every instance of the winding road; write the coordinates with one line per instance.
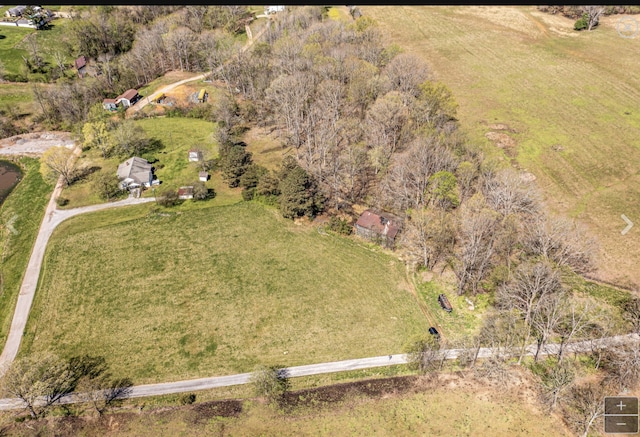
(192, 385)
(167, 88)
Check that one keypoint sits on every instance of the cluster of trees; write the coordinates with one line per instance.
(367, 124)
(42, 380)
(131, 46)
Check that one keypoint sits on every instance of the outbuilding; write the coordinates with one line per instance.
(377, 226)
(185, 193)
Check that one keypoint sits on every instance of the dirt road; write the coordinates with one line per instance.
(167, 88)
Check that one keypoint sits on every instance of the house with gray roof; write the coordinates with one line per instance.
(135, 172)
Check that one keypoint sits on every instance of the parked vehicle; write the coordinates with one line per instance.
(444, 303)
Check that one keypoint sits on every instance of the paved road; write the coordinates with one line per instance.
(336, 366)
(52, 218)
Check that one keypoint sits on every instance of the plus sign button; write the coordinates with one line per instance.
(620, 405)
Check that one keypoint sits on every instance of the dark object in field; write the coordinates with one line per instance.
(444, 303)
(433, 331)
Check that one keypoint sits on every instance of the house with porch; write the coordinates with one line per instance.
(379, 227)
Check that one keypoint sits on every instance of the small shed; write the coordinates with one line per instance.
(185, 193)
(195, 155)
(203, 176)
(110, 104)
(202, 96)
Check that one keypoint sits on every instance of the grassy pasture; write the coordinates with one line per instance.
(23, 210)
(569, 98)
(172, 295)
(177, 135)
(13, 45)
(17, 98)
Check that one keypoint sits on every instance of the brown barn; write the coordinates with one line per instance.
(380, 227)
(81, 66)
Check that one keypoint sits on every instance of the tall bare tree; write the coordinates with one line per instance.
(531, 293)
(477, 244)
(593, 15)
(39, 381)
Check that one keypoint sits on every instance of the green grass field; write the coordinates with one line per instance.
(23, 209)
(16, 98)
(13, 46)
(571, 100)
(172, 295)
(177, 135)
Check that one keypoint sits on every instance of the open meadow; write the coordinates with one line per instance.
(170, 295)
(560, 104)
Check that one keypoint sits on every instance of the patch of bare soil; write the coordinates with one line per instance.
(35, 143)
(325, 396)
(501, 140)
(71, 426)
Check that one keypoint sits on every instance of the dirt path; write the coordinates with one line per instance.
(167, 88)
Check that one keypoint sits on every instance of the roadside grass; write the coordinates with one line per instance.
(442, 406)
(27, 203)
(461, 322)
(612, 299)
(569, 97)
(169, 295)
(177, 135)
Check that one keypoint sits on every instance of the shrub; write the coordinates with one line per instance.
(62, 201)
(582, 23)
(187, 398)
(168, 198)
(340, 226)
(201, 192)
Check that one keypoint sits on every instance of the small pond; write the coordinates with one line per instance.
(10, 175)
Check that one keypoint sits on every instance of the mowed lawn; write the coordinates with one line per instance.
(570, 98)
(167, 296)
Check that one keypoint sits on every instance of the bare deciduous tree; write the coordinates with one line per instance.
(56, 162)
(528, 292)
(428, 237)
(584, 405)
(507, 193)
(424, 354)
(406, 72)
(555, 382)
(622, 363)
(38, 381)
(561, 241)
(593, 15)
(477, 244)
